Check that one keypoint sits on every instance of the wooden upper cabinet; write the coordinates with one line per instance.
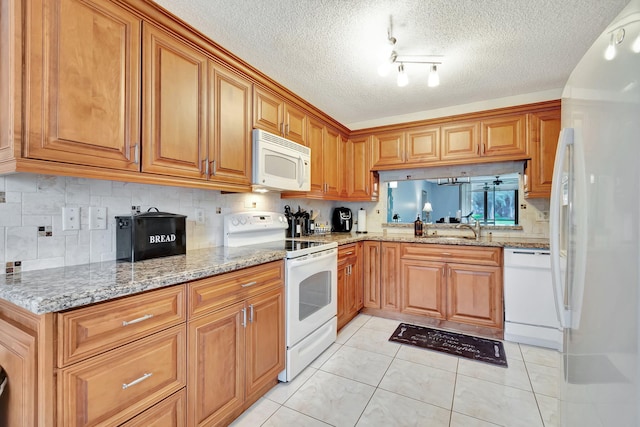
(460, 141)
(295, 124)
(268, 111)
(174, 110)
(504, 136)
(388, 149)
(423, 145)
(273, 114)
(83, 75)
(544, 130)
(229, 148)
(315, 140)
(331, 153)
(358, 168)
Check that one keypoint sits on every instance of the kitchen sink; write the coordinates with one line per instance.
(436, 237)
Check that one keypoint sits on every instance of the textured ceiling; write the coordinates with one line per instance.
(327, 51)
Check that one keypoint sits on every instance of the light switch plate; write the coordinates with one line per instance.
(70, 218)
(97, 218)
(200, 218)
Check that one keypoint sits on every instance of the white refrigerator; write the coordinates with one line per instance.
(595, 231)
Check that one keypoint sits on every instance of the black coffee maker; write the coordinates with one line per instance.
(342, 220)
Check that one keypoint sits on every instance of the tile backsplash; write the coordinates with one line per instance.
(31, 216)
(31, 235)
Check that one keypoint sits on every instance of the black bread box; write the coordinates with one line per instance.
(150, 235)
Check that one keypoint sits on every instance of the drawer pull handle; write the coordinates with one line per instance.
(446, 253)
(139, 319)
(138, 381)
(348, 253)
(246, 285)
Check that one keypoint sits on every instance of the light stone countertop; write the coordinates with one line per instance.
(58, 289)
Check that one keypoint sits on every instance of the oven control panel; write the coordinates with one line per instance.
(259, 227)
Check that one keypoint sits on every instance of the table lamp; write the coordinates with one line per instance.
(427, 209)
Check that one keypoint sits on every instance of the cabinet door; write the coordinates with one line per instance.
(390, 276)
(344, 170)
(265, 339)
(359, 169)
(544, 129)
(504, 137)
(315, 141)
(424, 291)
(268, 111)
(295, 124)
(371, 274)
(423, 145)
(174, 96)
(18, 358)
(83, 76)
(332, 144)
(229, 126)
(358, 277)
(460, 141)
(474, 295)
(388, 150)
(216, 349)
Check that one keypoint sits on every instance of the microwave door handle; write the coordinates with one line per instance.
(302, 173)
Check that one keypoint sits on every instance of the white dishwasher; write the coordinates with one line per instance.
(529, 305)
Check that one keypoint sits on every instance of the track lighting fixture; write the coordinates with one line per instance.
(403, 79)
(392, 58)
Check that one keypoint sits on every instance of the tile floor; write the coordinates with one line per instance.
(365, 380)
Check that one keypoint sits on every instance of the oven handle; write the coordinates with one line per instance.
(313, 258)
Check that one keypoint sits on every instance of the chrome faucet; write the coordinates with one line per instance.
(475, 228)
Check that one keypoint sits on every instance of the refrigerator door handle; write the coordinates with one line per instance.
(565, 140)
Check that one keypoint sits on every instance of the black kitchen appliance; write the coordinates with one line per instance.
(342, 220)
(150, 235)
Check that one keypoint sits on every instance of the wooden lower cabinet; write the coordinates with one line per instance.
(458, 283)
(349, 283)
(424, 291)
(234, 353)
(371, 274)
(171, 412)
(390, 276)
(474, 295)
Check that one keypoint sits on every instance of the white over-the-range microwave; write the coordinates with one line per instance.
(280, 164)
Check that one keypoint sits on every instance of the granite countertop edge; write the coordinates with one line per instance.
(63, 288)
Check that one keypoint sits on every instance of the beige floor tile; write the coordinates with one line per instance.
(360, 319)
(358, 365)
(282, 391)
(382, 324)
(390, 409)
(544, 379)
(430, 385)
(495, 403)
(331, 399)
(257, 413)
(514, 376)
(325, 355)
(426, 357)
(540, 356)
(549, 410)
(512, 349)
(461, 420)
(347, 332)
(374, 341)
(285, 417)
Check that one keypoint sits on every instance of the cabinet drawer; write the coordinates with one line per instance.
(346, 251)
(220, 291)
(479, 255)
(171, 412)
(91, 330)
(113, 387)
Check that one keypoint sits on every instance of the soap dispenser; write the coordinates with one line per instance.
(417, 227)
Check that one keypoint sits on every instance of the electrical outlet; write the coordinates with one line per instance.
(70, 218)
(200, 219)
(250, 204)
(218, 210)
(97, 218)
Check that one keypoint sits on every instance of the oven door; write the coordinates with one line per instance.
(312, 287)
